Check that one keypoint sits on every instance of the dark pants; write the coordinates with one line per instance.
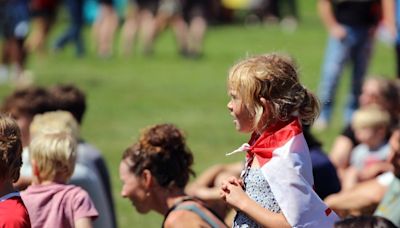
(73, 33)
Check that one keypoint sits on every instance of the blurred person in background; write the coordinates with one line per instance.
(43, 14)
(104, 28)
(50, 200)
(140, 18)
(364, 198)
(371, 126)
(351, 25)
(85, 174)
(170, 13)
(70, 98)
(14, 27)
(389, 207)
(23, 104)
(196, 14)
(375, 91)
(74, 32)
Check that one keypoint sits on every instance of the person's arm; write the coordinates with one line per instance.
(389, 17)
(364, 195)
(205, 186)
(84, 222)
(340, 154)
(325, 12)
(232, 192)
(373, 170)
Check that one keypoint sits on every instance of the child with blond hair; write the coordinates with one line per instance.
(13, 212)
(368, 159)
(50, 201)
(276, 185)
(84, 175)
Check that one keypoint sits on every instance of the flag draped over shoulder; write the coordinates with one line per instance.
(285, 162)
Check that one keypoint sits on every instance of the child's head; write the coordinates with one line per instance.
(10, 149)
(53, 122)
(69, 98)
(53, 156)
(268, 88)
(23, 104)
(370, 124)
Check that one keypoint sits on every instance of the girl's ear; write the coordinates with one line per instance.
(147, 178)
(264, 103)
(266, 106)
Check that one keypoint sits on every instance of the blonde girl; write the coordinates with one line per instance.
(275, 189)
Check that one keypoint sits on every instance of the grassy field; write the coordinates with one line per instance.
(127, 94)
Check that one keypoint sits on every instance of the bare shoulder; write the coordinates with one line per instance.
(184, 218)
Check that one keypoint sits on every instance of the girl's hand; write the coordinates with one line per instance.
(232, 192)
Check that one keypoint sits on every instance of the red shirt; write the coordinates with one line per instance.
(13, 213)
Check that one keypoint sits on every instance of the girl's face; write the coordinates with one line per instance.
(134, 189)
(242, 118)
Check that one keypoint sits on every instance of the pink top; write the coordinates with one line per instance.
(57, 205)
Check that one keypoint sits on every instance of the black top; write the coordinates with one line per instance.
(360, 13)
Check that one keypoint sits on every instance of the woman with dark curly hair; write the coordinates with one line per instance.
(154, 172)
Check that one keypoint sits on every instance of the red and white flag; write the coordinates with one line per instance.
(285, 162)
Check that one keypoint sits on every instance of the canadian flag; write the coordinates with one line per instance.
(285, 162)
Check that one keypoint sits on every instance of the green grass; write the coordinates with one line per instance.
(127, 94)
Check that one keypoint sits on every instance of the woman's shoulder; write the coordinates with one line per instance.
(184, 218)
(192, 213)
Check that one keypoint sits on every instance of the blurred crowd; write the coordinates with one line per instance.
(359, 176)
(25, 26)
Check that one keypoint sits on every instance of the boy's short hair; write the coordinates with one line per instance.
(10, 149)
(26, 102)
(54, 121)
(68, 97)
(54, 155)
(370, 116)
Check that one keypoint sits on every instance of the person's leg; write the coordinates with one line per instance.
(360, 56)
(129, 30)
(148, 27)
(181, 33)
(397, 48)
(77, 24)
(336, 56)
(198, 27)
(107, 26)
(67, 35)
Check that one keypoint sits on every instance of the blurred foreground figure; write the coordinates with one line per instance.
(13, 212)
